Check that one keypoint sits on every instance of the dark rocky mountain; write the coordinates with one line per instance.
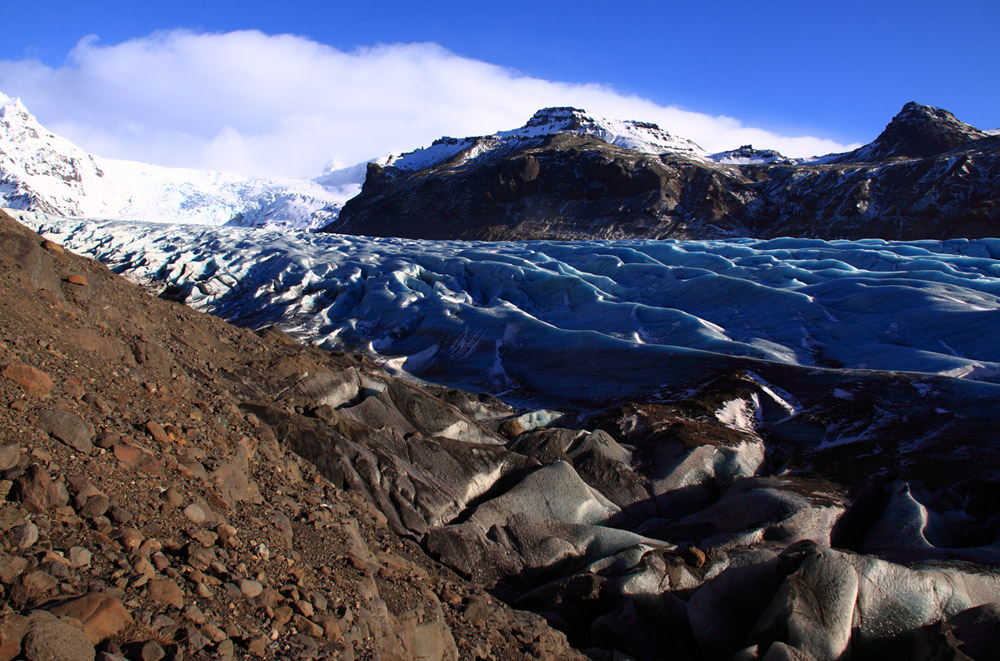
(928, 175)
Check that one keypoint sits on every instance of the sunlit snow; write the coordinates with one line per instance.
(41, 170)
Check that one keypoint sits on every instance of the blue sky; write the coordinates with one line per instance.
(834, 72)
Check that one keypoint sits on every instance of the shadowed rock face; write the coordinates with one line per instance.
(928, 175)
(917, 132)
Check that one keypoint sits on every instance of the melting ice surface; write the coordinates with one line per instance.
(580, 321)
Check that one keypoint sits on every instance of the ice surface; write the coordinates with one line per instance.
(586, 320)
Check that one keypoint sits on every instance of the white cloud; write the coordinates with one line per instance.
(286, 105)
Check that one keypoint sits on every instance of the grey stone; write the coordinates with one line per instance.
(250, 588)
(10, 454)
(50, 638)
(26, 535)
(79, 557)
(195, 514)
(67, 428)
(97, 505)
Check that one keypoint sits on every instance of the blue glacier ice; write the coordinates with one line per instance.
(580, 321)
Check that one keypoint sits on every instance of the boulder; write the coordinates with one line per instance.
(324, 389)
(978, 629)
(101, 614)
(35, 382)
(67, 428)
(50, 638)
(781, 509)
(13, 628)
(813, 610)
(166, 592)
(36, 266)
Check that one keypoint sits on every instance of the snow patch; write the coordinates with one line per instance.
(738, 414)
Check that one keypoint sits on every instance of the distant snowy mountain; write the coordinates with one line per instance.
(45, 172)
(747, 155)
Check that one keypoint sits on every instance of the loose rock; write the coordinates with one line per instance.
(101, 614)
(35, 382)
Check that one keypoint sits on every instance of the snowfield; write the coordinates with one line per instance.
(43, 171)
(584, 321)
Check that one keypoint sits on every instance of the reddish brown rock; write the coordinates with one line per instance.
(137, 458)
(77, 279)
(101, 614)
(73, 388)
(166, 593)
(157, 432)
(331, 628)
(108, 348)
(53, 247)
(12, 631)
(33, 588)
(10, 454)
(35, 382)
(34, 489)
(11, 566)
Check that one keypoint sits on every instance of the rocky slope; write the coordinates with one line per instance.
(928, 175)
(177, 485)
(147, 510)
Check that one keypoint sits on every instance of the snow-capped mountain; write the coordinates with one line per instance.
(643, 137)
(45, 172)
(565, 175)
(918, 131)
(747, 155)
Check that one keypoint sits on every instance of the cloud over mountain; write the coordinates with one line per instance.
(286, 105)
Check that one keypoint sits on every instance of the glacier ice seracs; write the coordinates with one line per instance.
(583, 321)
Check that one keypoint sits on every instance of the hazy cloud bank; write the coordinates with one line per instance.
(285, 105)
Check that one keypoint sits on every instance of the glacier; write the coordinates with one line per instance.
(45, 172)
(578, 323)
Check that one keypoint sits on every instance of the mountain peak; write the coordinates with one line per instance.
(630, 134)
(12, 110)
(919, 131)
(644, 137)
(560, 115)
(748, 155)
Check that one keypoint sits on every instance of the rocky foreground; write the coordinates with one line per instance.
(148, 512)
(176, 486)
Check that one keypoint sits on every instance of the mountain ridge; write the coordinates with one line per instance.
(927, 175)
(563, 175)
